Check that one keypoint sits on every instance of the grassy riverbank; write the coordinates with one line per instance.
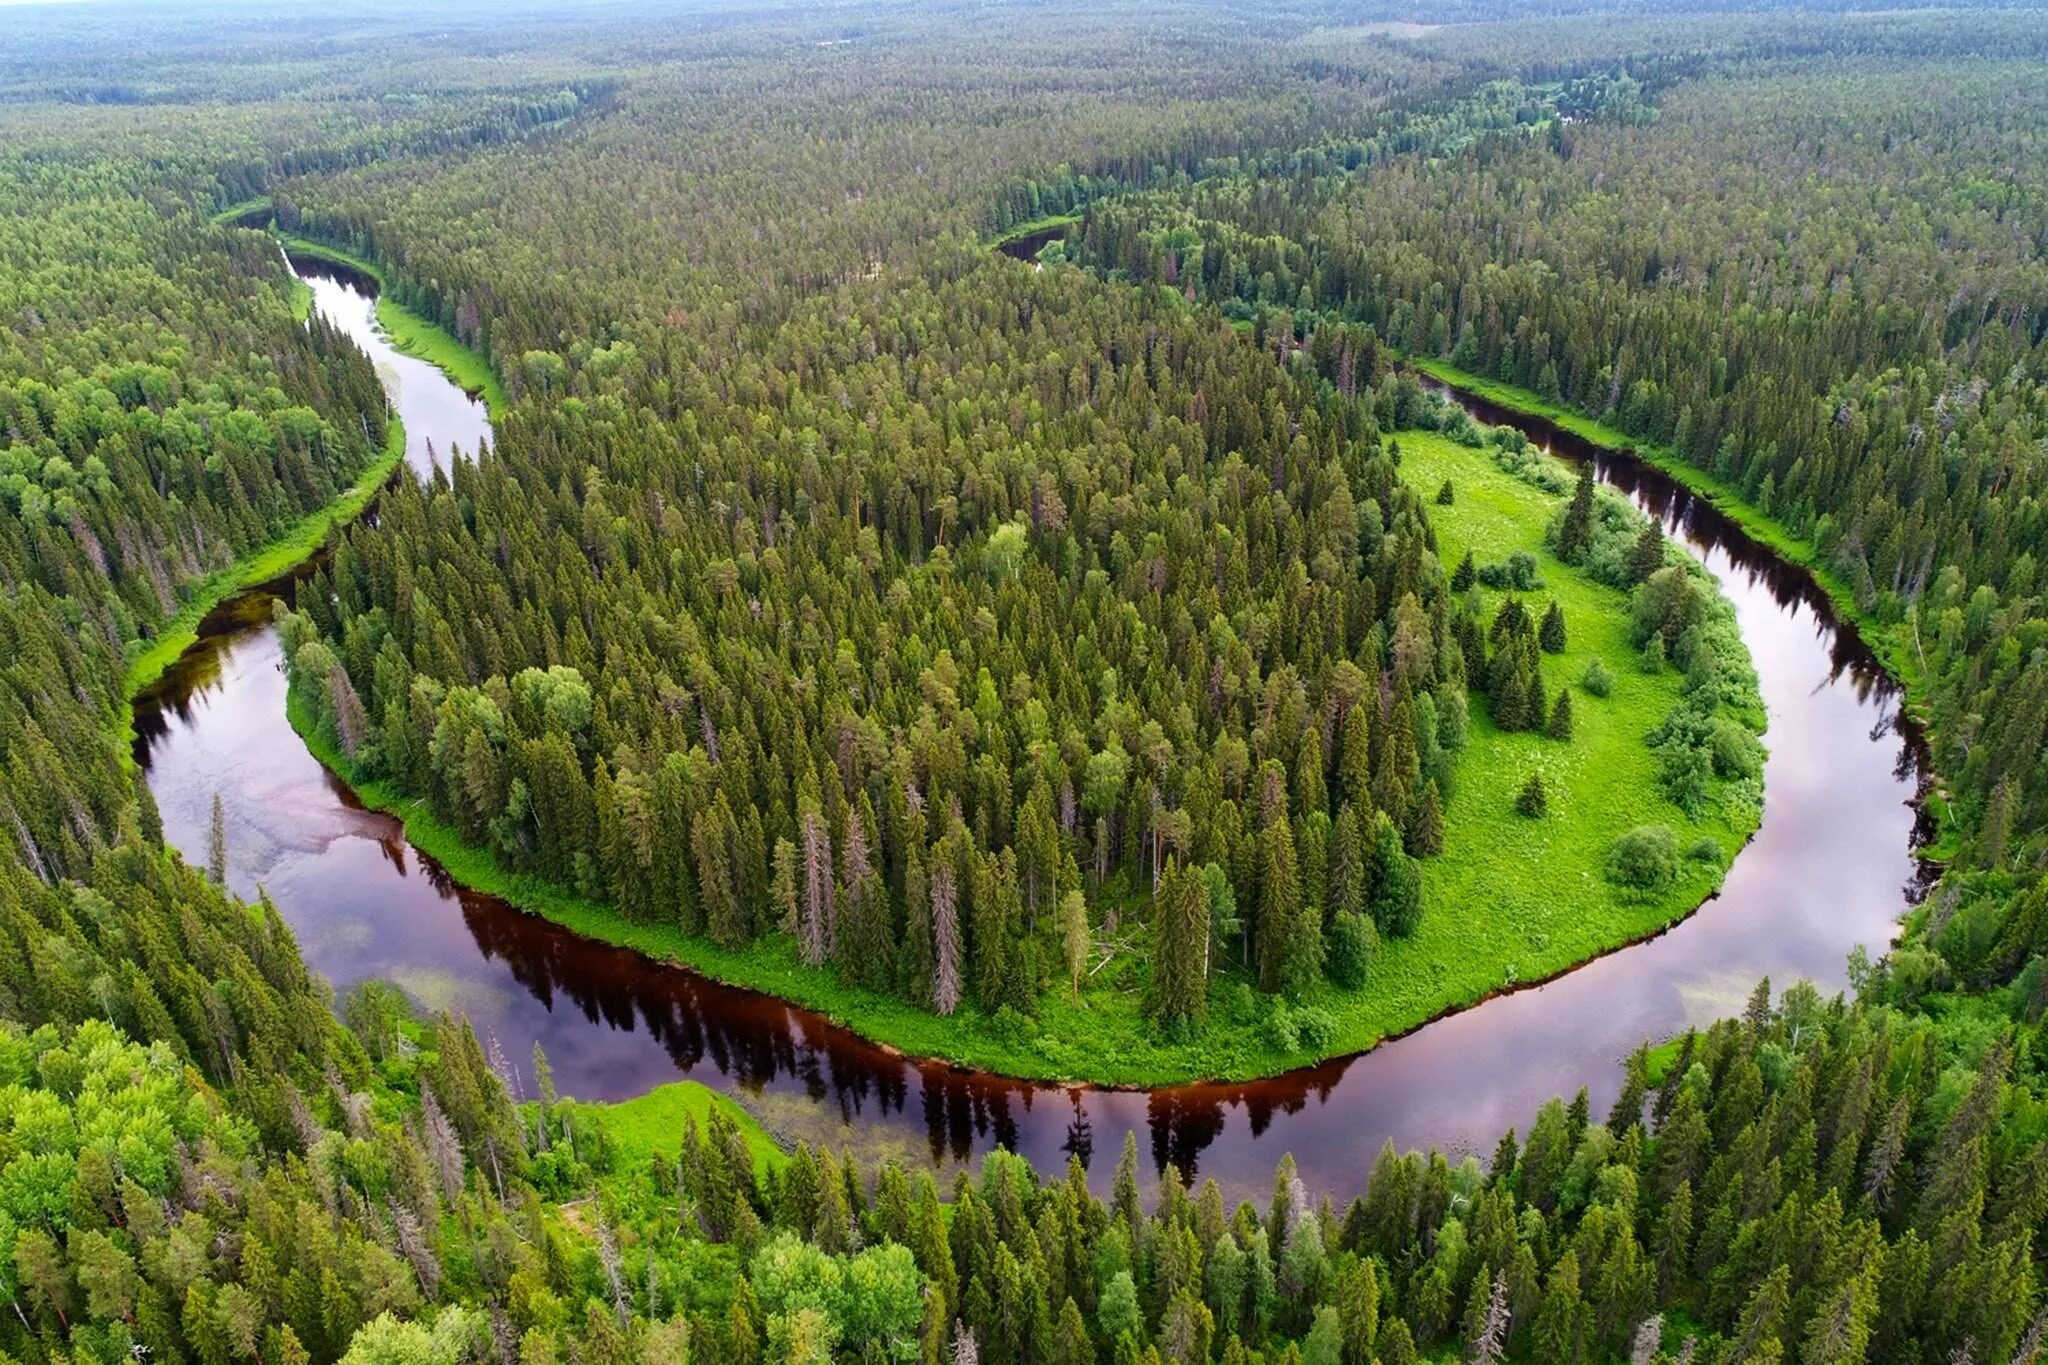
(651, 1125)
(1511, 901)
(273, 560)
(1892, 642)
(411, 332)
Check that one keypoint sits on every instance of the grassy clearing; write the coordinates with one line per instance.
(652, 1124)
(1514, 899)
(1892, 642)
(247, 206)
(1511, 901)
(274, 560)
(413, 333)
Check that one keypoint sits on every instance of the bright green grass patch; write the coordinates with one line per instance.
(412, 333)
(1514, 899)
(1511, 900)
(1892, 642)
(247, 206)
(274, 560)
(652, 1124)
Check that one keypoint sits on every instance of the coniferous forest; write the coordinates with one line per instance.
(979, 537)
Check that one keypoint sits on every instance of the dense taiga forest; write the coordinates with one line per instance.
(971, 540)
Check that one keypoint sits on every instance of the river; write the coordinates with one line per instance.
(1831, 867)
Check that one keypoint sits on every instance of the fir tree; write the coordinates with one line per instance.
(1425, 837)
(1560, 726)
(1647, 555)
(1575, 528)
(1463, 577)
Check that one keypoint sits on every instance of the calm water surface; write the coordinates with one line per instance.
(1830, 868)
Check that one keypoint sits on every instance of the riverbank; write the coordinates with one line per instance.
(1889, 641)
(274, 560)
(1511, 903)
(411, 332)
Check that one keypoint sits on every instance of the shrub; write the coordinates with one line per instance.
(1353, 944)
(1597, 679)
(1736, 751)
(1280, 1029)
(1314, 1027)
(1518, 573)
(1704, 850)
(1645, 858)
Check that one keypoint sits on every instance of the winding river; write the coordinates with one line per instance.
(1830, 868)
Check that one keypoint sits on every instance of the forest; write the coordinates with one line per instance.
(1114, 664)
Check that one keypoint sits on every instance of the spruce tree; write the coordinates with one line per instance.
(1551, 635)
(1425, 837)
(1465, 574)
(1534, 802)
(1279, 900)
(1575, 529)
(1647, 556)
(1180, 945)
(1560, 726)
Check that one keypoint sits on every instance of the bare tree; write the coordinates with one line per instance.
(1649, 1341)
(1490, 1347)
(217, 844)
(817, 854)
(945, 938)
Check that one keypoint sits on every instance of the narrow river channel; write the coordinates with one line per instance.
(1830, 868)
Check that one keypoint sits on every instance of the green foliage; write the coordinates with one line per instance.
(1645, 858)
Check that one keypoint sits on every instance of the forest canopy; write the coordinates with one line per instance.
(836, 581)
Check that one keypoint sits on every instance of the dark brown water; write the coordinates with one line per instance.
(1830, 868)
(1027, 246)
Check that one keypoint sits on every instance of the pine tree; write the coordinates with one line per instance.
(1534, 802)
(1446, 495)
(1551, 634)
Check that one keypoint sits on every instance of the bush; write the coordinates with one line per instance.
(1353, 945)
(1736, 751)
(1280, 1029)
(1704, 850)
(1645, 858)
(1597, 679)
(1314, 1027)
(1517, 573)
